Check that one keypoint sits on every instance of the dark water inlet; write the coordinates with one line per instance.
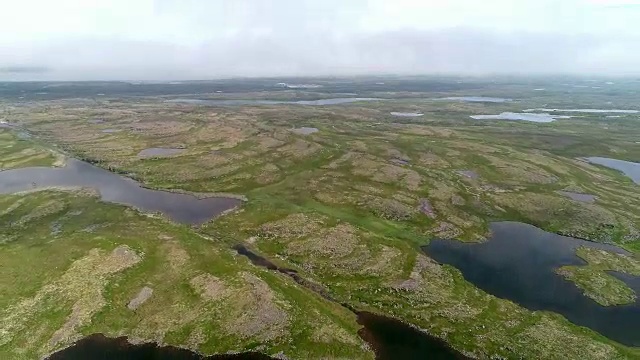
(519, 262)
(389, 338)
(100, 347)
(182, 208)
(393, 339)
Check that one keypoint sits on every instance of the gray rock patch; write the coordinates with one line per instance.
(158, 152)
(144, 295)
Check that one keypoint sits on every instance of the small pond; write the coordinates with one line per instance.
(321, 102)
(541, 118)
(578, 196)
(158, 152)
(476, 99)
(182, 208)
(100, 347)
(631, 169)
(406, 114)
(305, 130)
(518, 263)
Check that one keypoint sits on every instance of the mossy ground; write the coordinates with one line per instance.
(343, 206)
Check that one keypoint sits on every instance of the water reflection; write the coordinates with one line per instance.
(182, 208)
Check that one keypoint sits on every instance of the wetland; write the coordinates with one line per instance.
(343, 252)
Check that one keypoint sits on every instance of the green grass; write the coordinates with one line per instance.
(603, 288)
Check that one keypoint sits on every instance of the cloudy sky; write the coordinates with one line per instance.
(202, 39)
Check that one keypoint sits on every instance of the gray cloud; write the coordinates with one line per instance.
(24, 70)
(452, 51)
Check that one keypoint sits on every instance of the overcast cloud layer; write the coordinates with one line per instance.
(202, 39)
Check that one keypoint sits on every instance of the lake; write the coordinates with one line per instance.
(631, 169)
(181, 208)
(406, 114)
(541, 118)
(589, 111)
(518, 263)
(321, 102)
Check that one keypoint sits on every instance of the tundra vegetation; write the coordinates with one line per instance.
(347, 206)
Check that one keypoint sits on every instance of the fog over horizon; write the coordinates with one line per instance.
(198, 39)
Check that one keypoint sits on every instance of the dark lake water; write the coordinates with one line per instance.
(631, 169)
(390, 338)
(518, 263)
(182, 208)
(100, 347)
(321, 102)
